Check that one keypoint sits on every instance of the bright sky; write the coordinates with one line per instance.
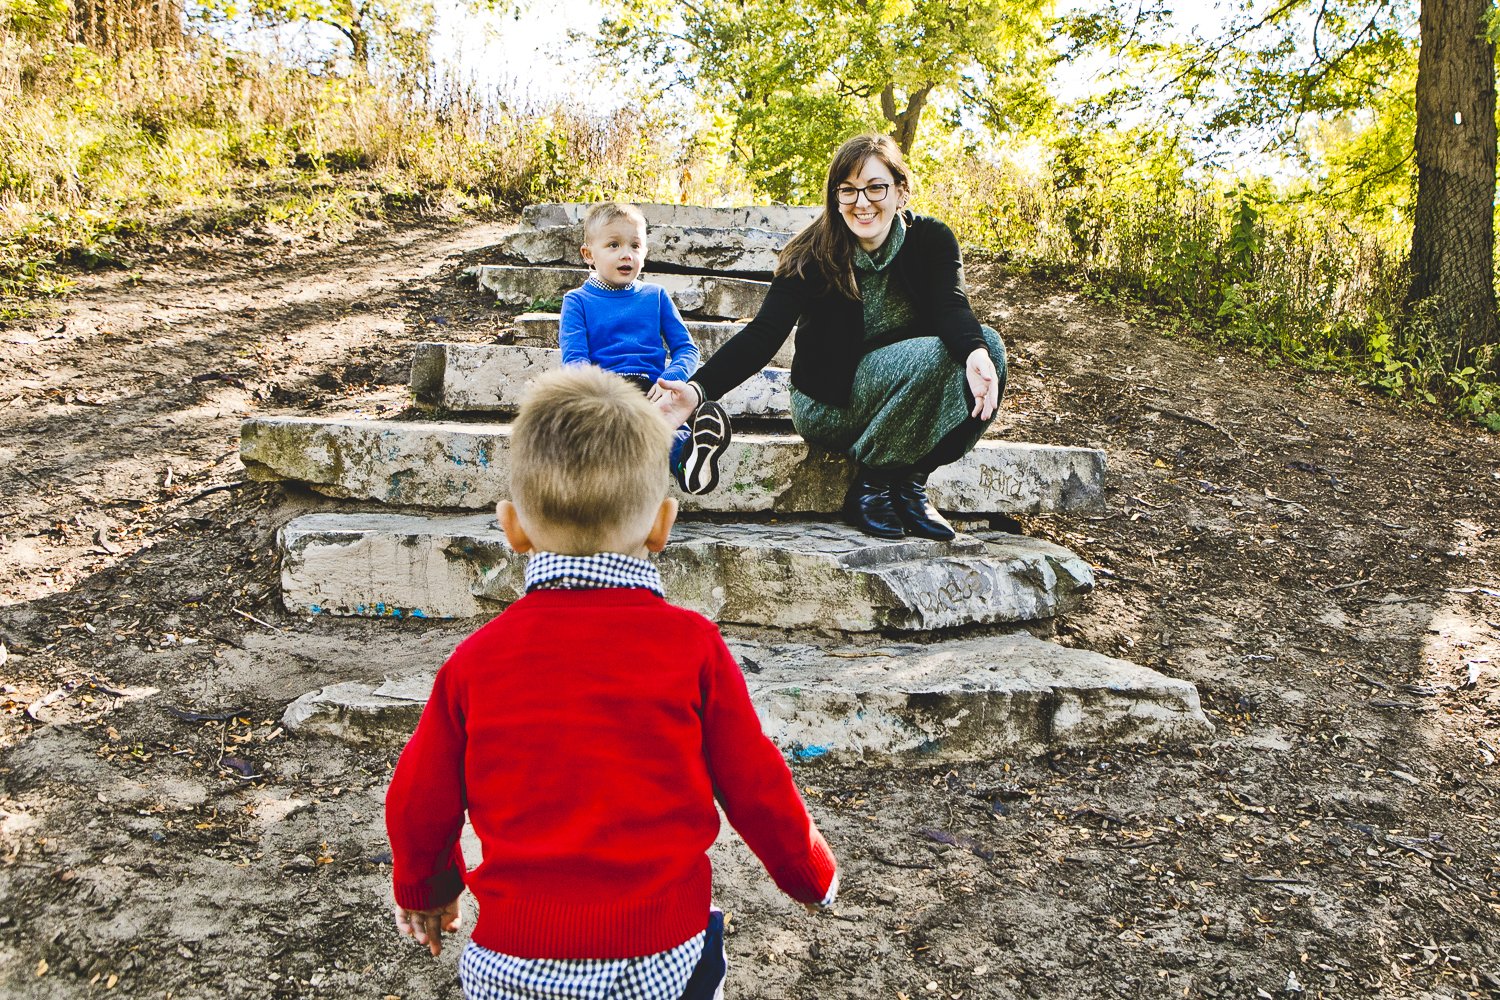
(530, 55)
(527, 55)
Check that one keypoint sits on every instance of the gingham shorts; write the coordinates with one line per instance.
(694, 970)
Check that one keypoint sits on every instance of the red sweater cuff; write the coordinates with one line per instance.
(808, 879)
(431, 893)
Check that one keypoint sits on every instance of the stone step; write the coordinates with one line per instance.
(466, 466)
(704, 295)
(973, 699)
(773, 218)
(539, 329)
(724, 251)
(490, 378)
(812, 575)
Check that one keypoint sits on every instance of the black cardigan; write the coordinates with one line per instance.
(831, 328)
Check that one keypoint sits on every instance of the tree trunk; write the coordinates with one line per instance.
(905, 132)
(1453, 240)
(351, 22)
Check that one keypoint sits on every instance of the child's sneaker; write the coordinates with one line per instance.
(708, 436)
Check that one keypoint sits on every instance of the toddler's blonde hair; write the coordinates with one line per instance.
(589, 457)
(606, 212)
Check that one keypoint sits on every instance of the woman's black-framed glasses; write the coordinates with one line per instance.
(874, 193)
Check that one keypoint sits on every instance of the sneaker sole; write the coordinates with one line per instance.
(700, 471)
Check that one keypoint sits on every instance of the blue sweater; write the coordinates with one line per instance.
(623, 331)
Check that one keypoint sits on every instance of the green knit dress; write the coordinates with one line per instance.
(907, 396)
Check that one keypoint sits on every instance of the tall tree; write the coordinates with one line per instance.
(1453, 236)
(396, 29)
(1280, 66)
(796, 76)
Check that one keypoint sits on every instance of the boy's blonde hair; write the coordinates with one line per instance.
(588, 457)
(604, 213)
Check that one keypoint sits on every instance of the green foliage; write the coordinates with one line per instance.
(98, 149)
(1290, 278)
(787, 139)
(33, 18)
(796, 77)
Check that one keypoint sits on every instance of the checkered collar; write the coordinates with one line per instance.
(554, 571)
(600, 283)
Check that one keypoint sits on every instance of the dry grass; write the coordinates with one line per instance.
(95, 147)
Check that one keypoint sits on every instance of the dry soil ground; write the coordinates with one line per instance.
(1326, 569)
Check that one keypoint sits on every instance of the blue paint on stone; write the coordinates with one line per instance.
(417, 613)
(316, 609)
(360, 610)
(810, 753)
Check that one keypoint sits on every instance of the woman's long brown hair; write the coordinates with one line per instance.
(826, 248)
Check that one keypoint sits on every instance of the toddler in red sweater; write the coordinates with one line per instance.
(587, 731)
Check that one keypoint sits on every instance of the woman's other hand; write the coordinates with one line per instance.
(983, 383)
(676, 400)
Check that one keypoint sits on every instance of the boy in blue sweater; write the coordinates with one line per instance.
(628, 327)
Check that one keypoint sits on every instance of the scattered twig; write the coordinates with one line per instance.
(1348, 586)
(212, 489)
(113, 692)
(258, 621)
(1442, 869)
(1284, 500)
(1148, 503)
(1277, 880)
(900, 864)
(1111, 574)
(1189, 418)
(190, 716)
(44, 701)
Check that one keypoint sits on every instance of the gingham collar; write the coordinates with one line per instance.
(600, 283)
(554, 571)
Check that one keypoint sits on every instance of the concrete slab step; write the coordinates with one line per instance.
(540, 329)
(813, 575)
(775, 218)
(490, 378)
(971, 699)
(720, 250)
(466, 466)
(701, 295)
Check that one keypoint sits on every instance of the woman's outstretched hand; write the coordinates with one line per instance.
(674, 400)
(983, 383)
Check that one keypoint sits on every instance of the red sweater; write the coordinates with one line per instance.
(587, 733)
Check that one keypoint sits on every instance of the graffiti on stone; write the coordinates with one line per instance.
(1000, 482)
(964, 585)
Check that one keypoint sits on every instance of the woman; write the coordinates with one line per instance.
(891, 367)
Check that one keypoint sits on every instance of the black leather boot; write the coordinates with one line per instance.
(867, 505)
(919, 517)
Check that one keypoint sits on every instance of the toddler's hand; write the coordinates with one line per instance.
(674, 400)
(428, 926)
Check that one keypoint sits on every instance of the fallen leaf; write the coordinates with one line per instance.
(240, 766)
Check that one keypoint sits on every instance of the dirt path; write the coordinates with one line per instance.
(1326, 570)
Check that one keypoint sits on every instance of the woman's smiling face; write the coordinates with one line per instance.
(876, 198)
